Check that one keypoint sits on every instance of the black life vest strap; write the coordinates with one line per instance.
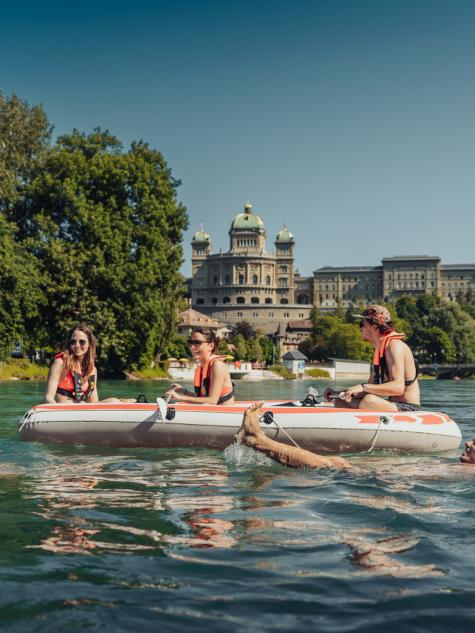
(77, 395)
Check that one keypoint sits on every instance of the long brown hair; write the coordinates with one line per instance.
(87, 364)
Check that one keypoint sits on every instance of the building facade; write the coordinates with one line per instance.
(397, 276)
(248, 283)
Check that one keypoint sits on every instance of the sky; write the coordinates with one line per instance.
(352, 121)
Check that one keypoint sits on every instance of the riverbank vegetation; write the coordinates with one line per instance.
(437, 331)
(22, 369)
(89, 231)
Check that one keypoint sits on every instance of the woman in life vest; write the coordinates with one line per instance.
(212, 380)
(73, 376)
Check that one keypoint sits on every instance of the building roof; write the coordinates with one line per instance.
(345, 269)
(201, 236)
(301, 324)
(294, 355)
(193, 318)
(247, 221)
(398, 258)
(284, 235)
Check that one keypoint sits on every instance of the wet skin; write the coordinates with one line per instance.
(251, 435)
(468, 456)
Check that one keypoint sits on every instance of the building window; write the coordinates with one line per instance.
(240, 300)
(286, 314)
(268, 280)
(227, 280)
(284, 300)
(200, 302)
(254, 280)
(239, 314)
(215, 280)
(214, 301)
(226, 299)
(268, 300)
(255, 314)
(254, 299)
(241, 279)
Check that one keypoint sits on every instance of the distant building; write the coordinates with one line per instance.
(397, 276)
(248, 283)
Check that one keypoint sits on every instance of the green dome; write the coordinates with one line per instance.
(284, 235)
(201, 236)
(247, 221)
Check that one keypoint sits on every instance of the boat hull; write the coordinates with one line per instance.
(318, 428)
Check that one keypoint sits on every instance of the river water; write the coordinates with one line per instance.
(101, 539)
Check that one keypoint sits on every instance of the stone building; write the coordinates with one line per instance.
(247, 282)
(397, 276)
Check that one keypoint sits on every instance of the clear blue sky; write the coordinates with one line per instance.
(353, 120)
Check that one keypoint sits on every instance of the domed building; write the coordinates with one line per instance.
(247, 282)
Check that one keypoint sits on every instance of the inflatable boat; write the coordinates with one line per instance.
(317, 428)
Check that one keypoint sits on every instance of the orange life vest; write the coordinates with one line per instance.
(379, 359)
(203, 381)
(72, 385)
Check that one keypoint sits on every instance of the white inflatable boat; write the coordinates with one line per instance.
(318, 428)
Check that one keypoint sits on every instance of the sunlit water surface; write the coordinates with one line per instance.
(96, 539)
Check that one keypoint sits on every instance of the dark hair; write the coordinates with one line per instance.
(87, 363)
(384, 328)
(210, 336)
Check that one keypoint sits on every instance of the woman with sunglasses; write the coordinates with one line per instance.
(73, 376)
(212, 380)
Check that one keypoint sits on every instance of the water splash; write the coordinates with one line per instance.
(242, 455)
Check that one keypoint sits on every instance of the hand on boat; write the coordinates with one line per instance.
(468, 456)
(356, 391)
(172, 394)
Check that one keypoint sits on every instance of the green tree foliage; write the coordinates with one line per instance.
(21, 292)
(106, 228)
(269, 353)
(24, 137)
(241, 347)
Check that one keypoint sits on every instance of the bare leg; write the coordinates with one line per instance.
(370, 402)
(251, 434)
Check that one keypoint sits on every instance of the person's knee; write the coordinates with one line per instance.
(370, 401)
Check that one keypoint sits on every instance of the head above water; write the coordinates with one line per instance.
(379, 316)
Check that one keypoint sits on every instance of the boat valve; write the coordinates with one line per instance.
(170, 413)
(267, 417)
(384, 419)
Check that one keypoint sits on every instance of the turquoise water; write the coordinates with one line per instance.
(96, 539)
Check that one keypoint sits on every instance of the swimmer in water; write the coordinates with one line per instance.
(251, 434)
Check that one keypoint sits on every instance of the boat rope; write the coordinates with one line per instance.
(268, 418)
(382, 420)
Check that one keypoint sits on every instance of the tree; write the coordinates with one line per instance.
(24, 137)
(106, 227)
(21, 293)
(241, 347)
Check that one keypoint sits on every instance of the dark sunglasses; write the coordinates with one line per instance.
(82, 342)
(195, 341)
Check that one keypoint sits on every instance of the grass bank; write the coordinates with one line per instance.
(22, 369)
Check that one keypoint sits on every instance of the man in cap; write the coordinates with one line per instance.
(393, 382)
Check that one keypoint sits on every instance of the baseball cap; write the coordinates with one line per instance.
(375, 313)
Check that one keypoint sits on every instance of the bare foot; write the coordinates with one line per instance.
(249, 430)
(468, 456)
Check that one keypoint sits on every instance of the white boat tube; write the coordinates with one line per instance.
(319, 428)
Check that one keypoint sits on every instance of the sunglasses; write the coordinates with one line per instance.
(82, 342)
(362, 322)
(195, 341)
